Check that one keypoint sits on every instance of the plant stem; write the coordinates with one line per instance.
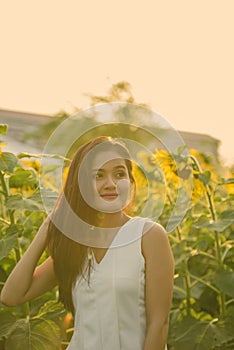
(186, 277)
(10, 213)
(197, 279)
(3, 183)
(6, 195)
(177, 229)
(214, 218)
(212, 210)
(188, 288)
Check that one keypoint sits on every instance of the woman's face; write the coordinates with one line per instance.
(111, 187)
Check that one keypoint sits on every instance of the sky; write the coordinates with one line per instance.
(177, 55)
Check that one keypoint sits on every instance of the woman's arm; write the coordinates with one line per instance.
(159, 286)
(27, 281)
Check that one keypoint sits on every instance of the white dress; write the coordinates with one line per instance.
(110, 312)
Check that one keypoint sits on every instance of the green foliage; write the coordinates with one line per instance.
(3, 129)
(8, 162)
(38, 324)
(202, 314)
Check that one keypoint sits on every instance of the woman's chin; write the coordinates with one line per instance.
(110, 206)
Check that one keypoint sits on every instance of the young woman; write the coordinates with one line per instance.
(114, 272)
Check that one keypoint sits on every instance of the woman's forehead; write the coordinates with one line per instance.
(111, 158)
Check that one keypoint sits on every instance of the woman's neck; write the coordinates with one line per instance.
(111, 220)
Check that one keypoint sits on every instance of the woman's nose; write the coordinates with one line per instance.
(110, 182)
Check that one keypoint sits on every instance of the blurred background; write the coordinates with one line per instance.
(174, 58)
(177, 57)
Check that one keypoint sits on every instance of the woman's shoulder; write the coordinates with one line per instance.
(154, 237)
(150, 227)
(153, 228)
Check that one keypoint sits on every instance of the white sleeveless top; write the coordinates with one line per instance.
(110, 311)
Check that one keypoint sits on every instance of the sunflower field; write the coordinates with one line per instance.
(202, 312)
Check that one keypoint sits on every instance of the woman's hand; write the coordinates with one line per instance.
(27, 281)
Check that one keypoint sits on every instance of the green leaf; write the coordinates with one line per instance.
(201, 222)
(13, 229)
(3, 129)
(204, 335)
(227, 181)
(212, 335)
(204, 241)
(220, 225)
(23, 177)
(205, 177)
(199, 264)
(178, 331)
(32, 155)
(227, 214)
(52, 310)
(28, 155)
(18, 202)
(34, 334)
(208, 299)
(230, 312)
(7, 243)
(181, 252)
(178, 293)
(181, 149)
(50, 168)
(197, 290)
(224, 280)
(8, 162)
(226, 327)
(7, 320)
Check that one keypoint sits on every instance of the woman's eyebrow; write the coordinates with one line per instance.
(96, 170)
(120, 167)
(115, 168)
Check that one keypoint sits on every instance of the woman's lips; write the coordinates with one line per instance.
(109, 196)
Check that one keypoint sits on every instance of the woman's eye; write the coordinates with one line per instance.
(120, 174)
(98, 176)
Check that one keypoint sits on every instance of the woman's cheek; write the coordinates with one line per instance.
(124, 191)
(97, 186)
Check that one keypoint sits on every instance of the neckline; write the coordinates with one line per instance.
(112, 242)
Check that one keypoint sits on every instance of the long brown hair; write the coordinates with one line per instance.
(68, 255)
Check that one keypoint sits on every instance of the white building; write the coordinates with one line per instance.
(22, 123)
